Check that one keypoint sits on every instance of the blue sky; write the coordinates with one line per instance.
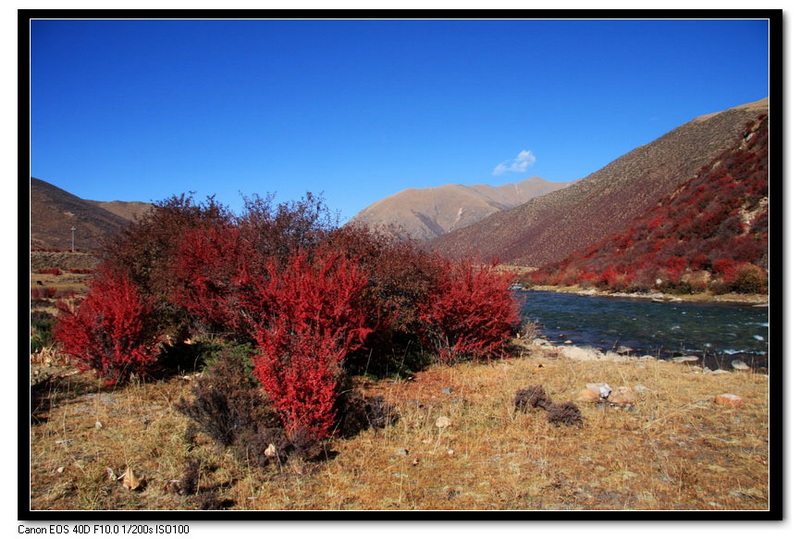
(359, 110)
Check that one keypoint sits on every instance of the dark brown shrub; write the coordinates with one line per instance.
(564, 413)
(230, 406)
(191, 477)
(531, 397)
(357, 413)
(749, 279)
(209, 501)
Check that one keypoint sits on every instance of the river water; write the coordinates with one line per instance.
(718, 333)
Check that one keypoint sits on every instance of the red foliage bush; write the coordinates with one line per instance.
(110, 331)
(725, 268)
(147, 249)
(50, 271)
(401, 276)
(470, 313)
(207, 265)
(307, 317)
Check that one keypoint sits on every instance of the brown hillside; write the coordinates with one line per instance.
(131, 211)
(431, 212)
(53, 213)
(549, 228)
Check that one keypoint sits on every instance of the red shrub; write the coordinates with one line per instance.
(470, 313)
(50, 271)
(401, 275)
(674, 267)
(726, 268)
(208, 261)
(147, 249)
(307, 317)
(110, 330)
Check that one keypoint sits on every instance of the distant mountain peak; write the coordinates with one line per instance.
(429, 212)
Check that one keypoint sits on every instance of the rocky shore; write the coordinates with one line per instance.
(756, 300)
(704, 364)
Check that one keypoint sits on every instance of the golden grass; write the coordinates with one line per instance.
(674, 450)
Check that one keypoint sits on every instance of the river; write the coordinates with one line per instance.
(718, 333)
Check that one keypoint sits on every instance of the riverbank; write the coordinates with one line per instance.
(756, 300)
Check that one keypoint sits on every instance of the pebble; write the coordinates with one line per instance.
(730, 400)
(443, 422)
(601, 388)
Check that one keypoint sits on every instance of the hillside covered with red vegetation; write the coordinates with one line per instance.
(551, 227)
(711, 233)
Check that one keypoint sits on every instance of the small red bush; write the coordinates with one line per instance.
(110, 330)
(470, 313)
(725, 268)
(307, 316)
(50, 271)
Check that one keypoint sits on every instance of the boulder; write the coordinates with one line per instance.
(685, 359)
(588, 395)
(622, 396)
(602, 389)
(730, 400)
(740, 365)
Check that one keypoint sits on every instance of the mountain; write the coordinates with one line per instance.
(54, 211)
(130, 211)
(428, 213)
(548, 228)
(711, 232)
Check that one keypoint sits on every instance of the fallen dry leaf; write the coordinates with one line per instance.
(130, 481)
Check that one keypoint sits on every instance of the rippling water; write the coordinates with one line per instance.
(717, 332)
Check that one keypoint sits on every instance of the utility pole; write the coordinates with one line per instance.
(72, 229)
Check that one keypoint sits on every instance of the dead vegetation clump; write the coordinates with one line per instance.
(530, 398)
(564, 413)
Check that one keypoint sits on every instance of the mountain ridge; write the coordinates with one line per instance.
(428, 212)
(55, 211)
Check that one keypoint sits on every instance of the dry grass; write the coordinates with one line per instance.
(674, 450)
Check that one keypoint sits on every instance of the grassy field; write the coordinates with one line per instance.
(128, 448)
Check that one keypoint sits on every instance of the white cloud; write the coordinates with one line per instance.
(520, 163)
